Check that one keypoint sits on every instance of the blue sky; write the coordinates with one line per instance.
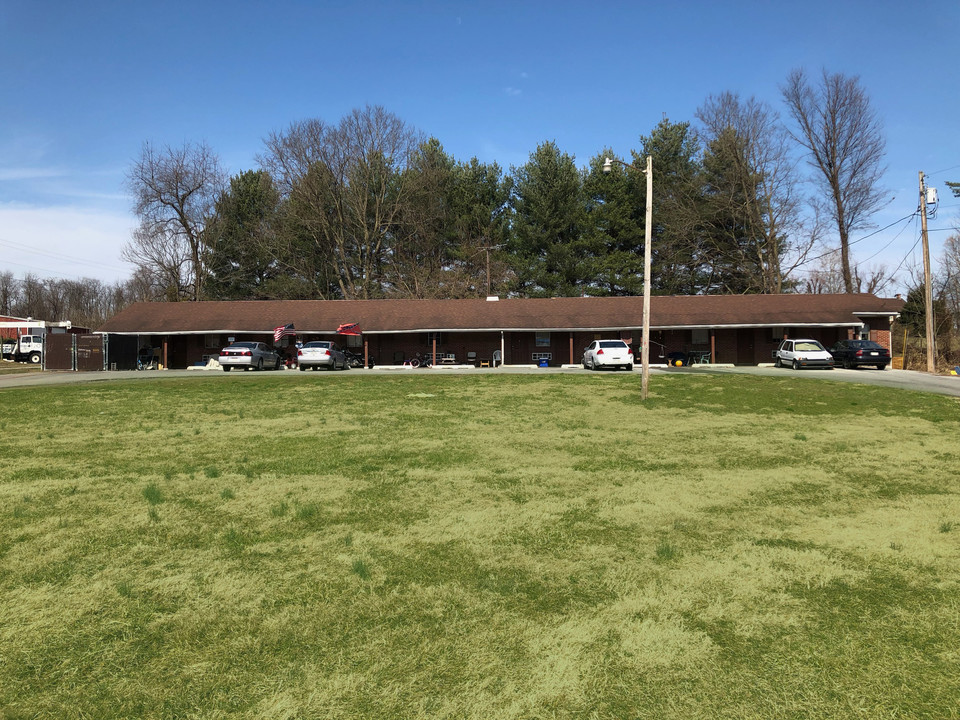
(84, 84)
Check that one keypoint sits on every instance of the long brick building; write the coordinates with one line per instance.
(739, 329)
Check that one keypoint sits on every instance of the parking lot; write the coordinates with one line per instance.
(903, 379)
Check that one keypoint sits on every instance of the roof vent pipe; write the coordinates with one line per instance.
(492, 298)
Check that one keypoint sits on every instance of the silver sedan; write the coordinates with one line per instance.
(249, 355)
(322, 353)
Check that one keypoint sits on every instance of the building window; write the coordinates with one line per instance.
(211, 341)
(543, 339)
(700, 336)
(778, 333)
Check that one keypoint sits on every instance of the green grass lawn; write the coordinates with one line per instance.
(8, 367)
(340, 546)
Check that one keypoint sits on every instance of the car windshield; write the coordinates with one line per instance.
(864, 344)
(809, 346)
(249, 345)
(612, 344)
(318, 344)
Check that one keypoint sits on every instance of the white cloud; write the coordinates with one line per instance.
(64, 241)
(513, 92)
(10, 174)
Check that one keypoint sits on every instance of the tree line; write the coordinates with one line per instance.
(369, 207)
(86, 302)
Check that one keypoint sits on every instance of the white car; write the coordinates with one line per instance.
(249, 355)
(608, 353)
(803, 353)
(322, 353)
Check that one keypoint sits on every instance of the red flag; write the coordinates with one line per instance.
(349, 329)
(279, 332)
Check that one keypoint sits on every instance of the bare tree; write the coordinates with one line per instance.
(760, 185)
(827, 277)
(8, 292)
(347, 187)
(32, 298)
(845, 145)
(949, 277)
(174, 192)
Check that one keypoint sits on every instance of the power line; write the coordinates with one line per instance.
(909, 253)
(45, 271)
(56, 256)
(914, 214)
(943, 171)
(893, 240)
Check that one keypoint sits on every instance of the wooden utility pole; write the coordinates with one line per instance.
(645, 345)
(927, 285)
(488, 248)
(648, 232)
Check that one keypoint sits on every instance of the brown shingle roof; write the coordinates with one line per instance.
(580, 313)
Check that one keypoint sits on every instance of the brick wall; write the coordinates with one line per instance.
(882, 337)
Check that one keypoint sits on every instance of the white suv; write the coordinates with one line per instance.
(803, 353)
(608, 353)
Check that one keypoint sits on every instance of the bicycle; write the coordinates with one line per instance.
(418, 361)
(147, 359)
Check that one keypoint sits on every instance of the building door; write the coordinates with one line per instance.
(745, 353)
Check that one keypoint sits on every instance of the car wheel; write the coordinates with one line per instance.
(278, 365)
(629, 368)
(259, 364)
(776, 362)
(881, 367)
(796, 364)
(227, 368)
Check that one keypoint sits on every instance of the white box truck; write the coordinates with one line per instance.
(27, 348)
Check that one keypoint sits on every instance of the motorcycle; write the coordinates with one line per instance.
(353, 360)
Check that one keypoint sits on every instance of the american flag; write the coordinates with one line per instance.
(349, 329)
(279, 332)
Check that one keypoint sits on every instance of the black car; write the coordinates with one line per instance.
(854, 353)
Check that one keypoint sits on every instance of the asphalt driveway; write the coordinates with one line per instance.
(903, 379)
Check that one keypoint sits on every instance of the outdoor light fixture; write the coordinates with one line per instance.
(645, 345)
